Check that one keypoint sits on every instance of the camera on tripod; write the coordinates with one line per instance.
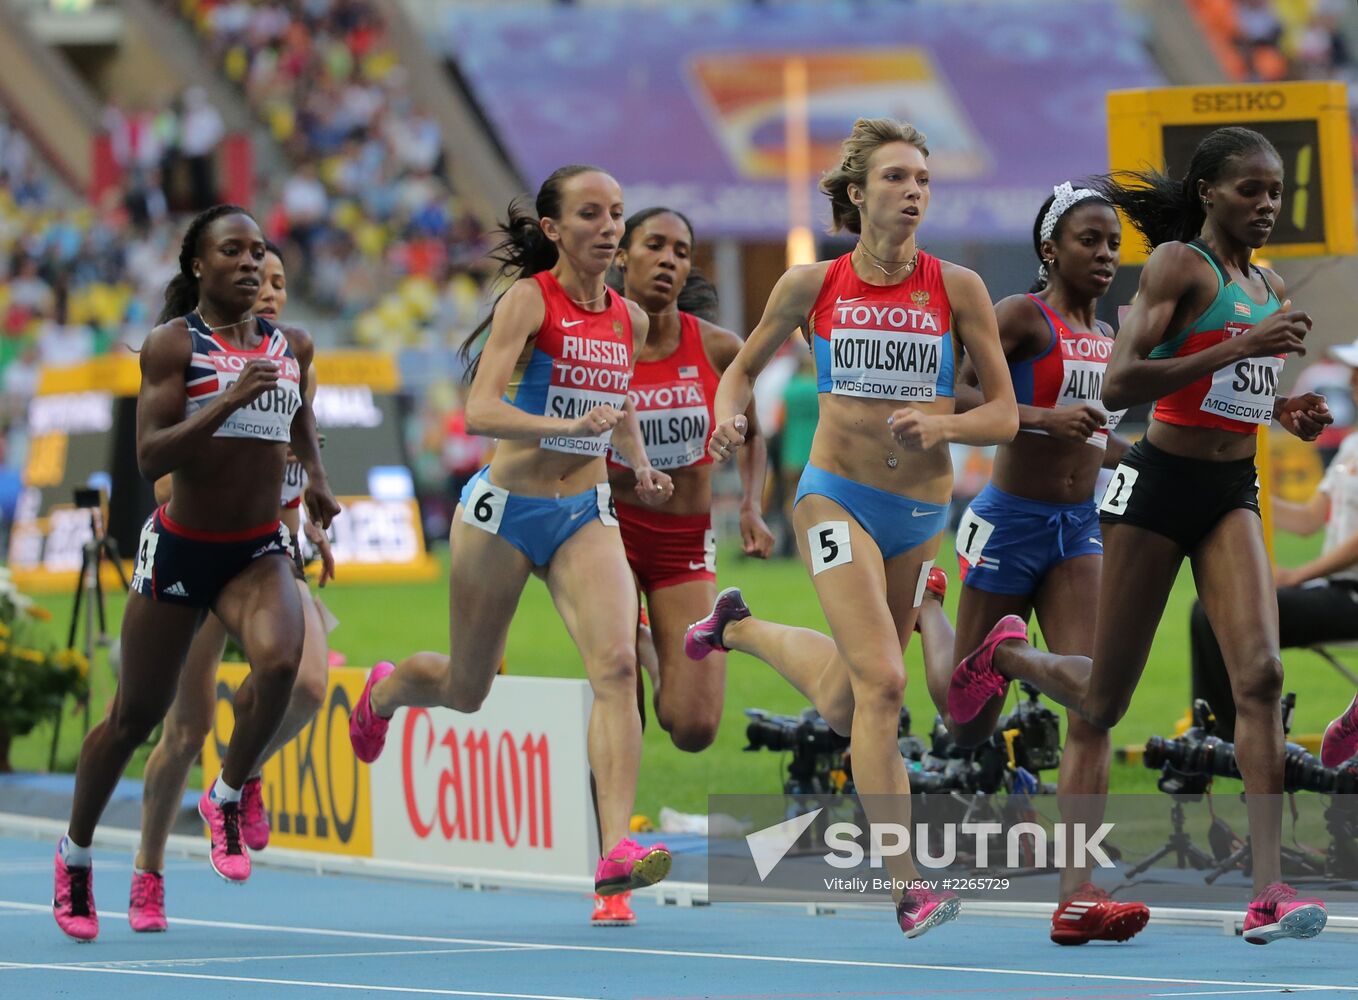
(819, 763)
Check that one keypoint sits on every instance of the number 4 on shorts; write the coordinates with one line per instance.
(1119, 490)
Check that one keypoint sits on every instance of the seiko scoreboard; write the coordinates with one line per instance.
(82, 428)
(1308, 123)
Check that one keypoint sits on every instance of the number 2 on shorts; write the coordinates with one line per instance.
(1119, 489)
(829, 545)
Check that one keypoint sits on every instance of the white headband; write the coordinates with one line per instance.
(1066, 196)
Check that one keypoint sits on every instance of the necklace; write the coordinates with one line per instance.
(877, 262)
(225, 326)
(589, 302)
(891, 460)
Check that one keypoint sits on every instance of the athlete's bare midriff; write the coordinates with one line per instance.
(233, 484)
(1207, 443)
(522, 467)
(853, 440)
(1047, 470)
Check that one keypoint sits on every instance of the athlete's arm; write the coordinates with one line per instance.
(320, 503)
(756, 539)
(653, 486)
(995, 421)
(787, 310)
(1117, 447)
(519, 312)
(166, 439)
(1171, 276)
(1302, 518)
(1339, 558)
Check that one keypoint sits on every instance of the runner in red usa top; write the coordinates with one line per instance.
(223, 394)
(888, 323)
(1030, 540)
(1205, 338)
(551, 383)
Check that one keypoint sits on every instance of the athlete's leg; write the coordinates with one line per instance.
(308, 692)
(1139, 567)
(870, 606)
(593, 589)
(690, 696)
(1067, 611)
(485, 579)
(155, 639)
(261, 607)
(187, 726)
(977, 612)
(1235, 585)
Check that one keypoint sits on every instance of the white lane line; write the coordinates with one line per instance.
(213, 959)
(723, 956)
(1229, 993)
(294, 982)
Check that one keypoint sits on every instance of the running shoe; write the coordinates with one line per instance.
(1278, 913)
(146, 905)
(73, 901)
(1341, 737)
(704, 637)
(976, 681)
(923, 909)
(254, 818)
(1090, 915)
(613, 911)
(367, 729)
(630, 866)
(229, 857)
(937, 584)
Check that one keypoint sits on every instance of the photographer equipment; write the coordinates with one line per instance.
(89, 593)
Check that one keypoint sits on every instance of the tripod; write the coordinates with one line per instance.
(1178, 844)
(89, 595)
(1243, 859)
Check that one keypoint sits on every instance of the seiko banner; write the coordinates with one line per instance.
(505, 789)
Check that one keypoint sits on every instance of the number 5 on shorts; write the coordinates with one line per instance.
(1119, 490)
(829, 545)
(485, 506)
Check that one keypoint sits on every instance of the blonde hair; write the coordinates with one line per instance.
(868, 135)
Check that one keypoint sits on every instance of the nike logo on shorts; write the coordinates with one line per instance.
(577, 515)
(568, 323)
(694, 565)
(920, 513)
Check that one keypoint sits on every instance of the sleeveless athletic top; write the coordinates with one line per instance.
(294, 484)
(884, 342)
(1238, 397)
(673, 398)
(214, 368)
(1069, 372)
(578, 360)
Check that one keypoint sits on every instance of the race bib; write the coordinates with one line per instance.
(829, 545)
(608, 513)
(884, 364)
(1119, 491)
(1245, 390)
(973, 531)
(485, 506)
(590, 372)
(146, 553)
(674, 423)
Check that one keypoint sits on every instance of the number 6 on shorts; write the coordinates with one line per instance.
(829, 545)
(485, 506)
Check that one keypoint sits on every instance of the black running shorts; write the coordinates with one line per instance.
(1180, 498)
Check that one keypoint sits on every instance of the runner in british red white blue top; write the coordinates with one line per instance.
(550, 382)
(218, 544)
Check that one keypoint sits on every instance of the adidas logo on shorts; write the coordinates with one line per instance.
(176, 589)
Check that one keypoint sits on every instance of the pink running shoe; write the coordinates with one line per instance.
(922, 910)
(1278, 913)
(704, 637)
(630, 866)
(146, 905)
(1341, 737)
(73, 901)
(229, 858)
(976, 681)
(367, 729)
(613, 911)
(254, 818)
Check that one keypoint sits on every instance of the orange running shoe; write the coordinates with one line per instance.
(1090, 915)
(613, 911)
